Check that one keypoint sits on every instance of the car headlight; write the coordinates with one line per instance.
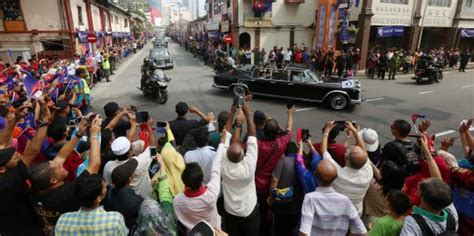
(162, 84)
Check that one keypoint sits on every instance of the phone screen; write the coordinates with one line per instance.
(160, 124)
(153, 151)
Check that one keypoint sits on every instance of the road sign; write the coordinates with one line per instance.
(91, 38)
(228, 39)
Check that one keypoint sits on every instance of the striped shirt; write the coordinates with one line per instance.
(326, 212)
(94, 222)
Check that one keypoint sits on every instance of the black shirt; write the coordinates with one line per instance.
(392, 153)
(180, 126)
(125, 201)
(17, 216)
(120, 129)
(52, 204)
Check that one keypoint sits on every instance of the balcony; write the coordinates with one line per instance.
(251, 21)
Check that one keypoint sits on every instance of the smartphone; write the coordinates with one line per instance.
(415, 135)
(305, 135)
(290, 104)
(340, 123)
(238, 101)
(142, 116)
(133, 108)
(153, 151)
(72, 123)
(161, 124)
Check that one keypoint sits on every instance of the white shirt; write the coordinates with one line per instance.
(238, 181)
(141, 182)
(203, 156)
(191, 210)
(352, 182)
(287, 55)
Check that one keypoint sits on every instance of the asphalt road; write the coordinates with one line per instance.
(446, 103)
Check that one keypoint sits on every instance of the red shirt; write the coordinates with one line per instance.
(269, 153)
(337, 151)
(411, 182)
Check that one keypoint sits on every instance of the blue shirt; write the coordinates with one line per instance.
(307, 179)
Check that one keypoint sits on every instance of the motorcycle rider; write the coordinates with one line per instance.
(426, 64)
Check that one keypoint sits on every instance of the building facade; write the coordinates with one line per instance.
(45, 27)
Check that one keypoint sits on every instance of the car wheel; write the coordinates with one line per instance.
(239, 90)
(338, 102)
(163, 98)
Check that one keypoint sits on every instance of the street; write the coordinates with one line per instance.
(445, 104)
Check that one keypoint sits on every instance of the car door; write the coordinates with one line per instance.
(304, 87)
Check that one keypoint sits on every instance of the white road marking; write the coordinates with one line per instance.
(445, 133)
(426, 92)
(306, 109)
(373, 99)
(466, 86)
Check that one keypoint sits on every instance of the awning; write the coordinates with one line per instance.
(390, 31)
(467, 33)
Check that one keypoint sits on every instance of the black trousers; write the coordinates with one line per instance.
(285, 224)
(247, 226)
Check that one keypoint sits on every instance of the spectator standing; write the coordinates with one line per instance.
(17, 216)
(436, 213)
(238, 179)
(106, 68)
(354, 178)
(328, 64)
(198, 202)
(203, 154)
(327, 212)
(382, 67)
(121, 197)
(398, 205)
(270, 150)
(394, 66)
(355, 61)
(287, 56)
(465, 58)
(181, 125)
(90, 191)
(286, 207)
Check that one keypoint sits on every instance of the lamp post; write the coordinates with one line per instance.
(422, 25)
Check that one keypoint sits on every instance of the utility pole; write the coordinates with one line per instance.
(422, 24)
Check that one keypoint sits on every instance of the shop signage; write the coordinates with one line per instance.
(225, 26)
(467, 33)
(212, 26)
(390, 31)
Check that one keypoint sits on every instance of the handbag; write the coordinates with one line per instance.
(283, 195)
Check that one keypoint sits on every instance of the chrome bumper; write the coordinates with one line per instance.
(220, 86)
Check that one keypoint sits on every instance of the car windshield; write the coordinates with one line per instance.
(310, 77)
(158, 53)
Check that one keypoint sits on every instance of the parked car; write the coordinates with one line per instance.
(295, 82)
(161, 58)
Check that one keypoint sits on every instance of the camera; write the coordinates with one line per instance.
(142, 116)
(305, 135)
(238, 101)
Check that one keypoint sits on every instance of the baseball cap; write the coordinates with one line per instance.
(122, 173)
(120, 146)
(110, 108)
(203, 228)
(6, 154)
(371, 139)
(61, 104)
(259, 117)
(181, 107)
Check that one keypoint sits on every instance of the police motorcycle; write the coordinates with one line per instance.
(427, 71)
(154, 82)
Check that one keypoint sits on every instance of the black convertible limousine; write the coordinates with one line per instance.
(295, 82)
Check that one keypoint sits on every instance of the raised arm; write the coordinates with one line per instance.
(12, 120)
(432, 166)
(195, 110)
(355, 133)
(152, 136)
(324, 141)
(68, 148)
(115, 121)
(291, 113)
(251, 130)
(133, 126)
(465, 135)
(33, 148)
(94, 156)
(230, 119)
(239, 121)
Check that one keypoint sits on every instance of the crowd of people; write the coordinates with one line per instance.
(67, 171)
(345, 63)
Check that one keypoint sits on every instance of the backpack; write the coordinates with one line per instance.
(410, 157)
(426, 230)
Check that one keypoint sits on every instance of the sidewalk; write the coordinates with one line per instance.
(470, 65)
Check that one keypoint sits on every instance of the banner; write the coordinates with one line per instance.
(467, 33)
(322, 20)
(390, 31)
(332, 27)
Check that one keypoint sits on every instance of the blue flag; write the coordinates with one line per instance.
(31, 85)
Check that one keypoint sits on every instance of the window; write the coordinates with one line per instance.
(79, 15)
(404, 2)
(439, 3)
(469, 3)
(11, 10)
(125, 22)
(116, 20)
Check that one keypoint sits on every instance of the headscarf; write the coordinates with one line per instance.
(174, 166)
(154, 220)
